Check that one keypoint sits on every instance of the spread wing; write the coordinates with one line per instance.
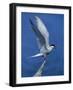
(41, 32)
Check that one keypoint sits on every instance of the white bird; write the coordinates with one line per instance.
(42, 36)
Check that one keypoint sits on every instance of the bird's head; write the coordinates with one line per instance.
(53, 46)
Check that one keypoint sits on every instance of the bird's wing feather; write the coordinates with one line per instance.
(41, 32)
(42, 29)
(38, 55)
(40, 39)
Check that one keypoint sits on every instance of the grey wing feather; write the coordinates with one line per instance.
(42, 29)
(41, 32)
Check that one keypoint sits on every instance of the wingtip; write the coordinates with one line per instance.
(36, 17)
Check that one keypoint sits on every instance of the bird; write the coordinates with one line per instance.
(42, 37)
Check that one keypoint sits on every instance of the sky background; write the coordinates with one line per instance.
(55, 60)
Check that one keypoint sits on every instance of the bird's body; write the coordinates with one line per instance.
(42, 35)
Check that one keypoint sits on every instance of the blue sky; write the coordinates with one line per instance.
(29, 47)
